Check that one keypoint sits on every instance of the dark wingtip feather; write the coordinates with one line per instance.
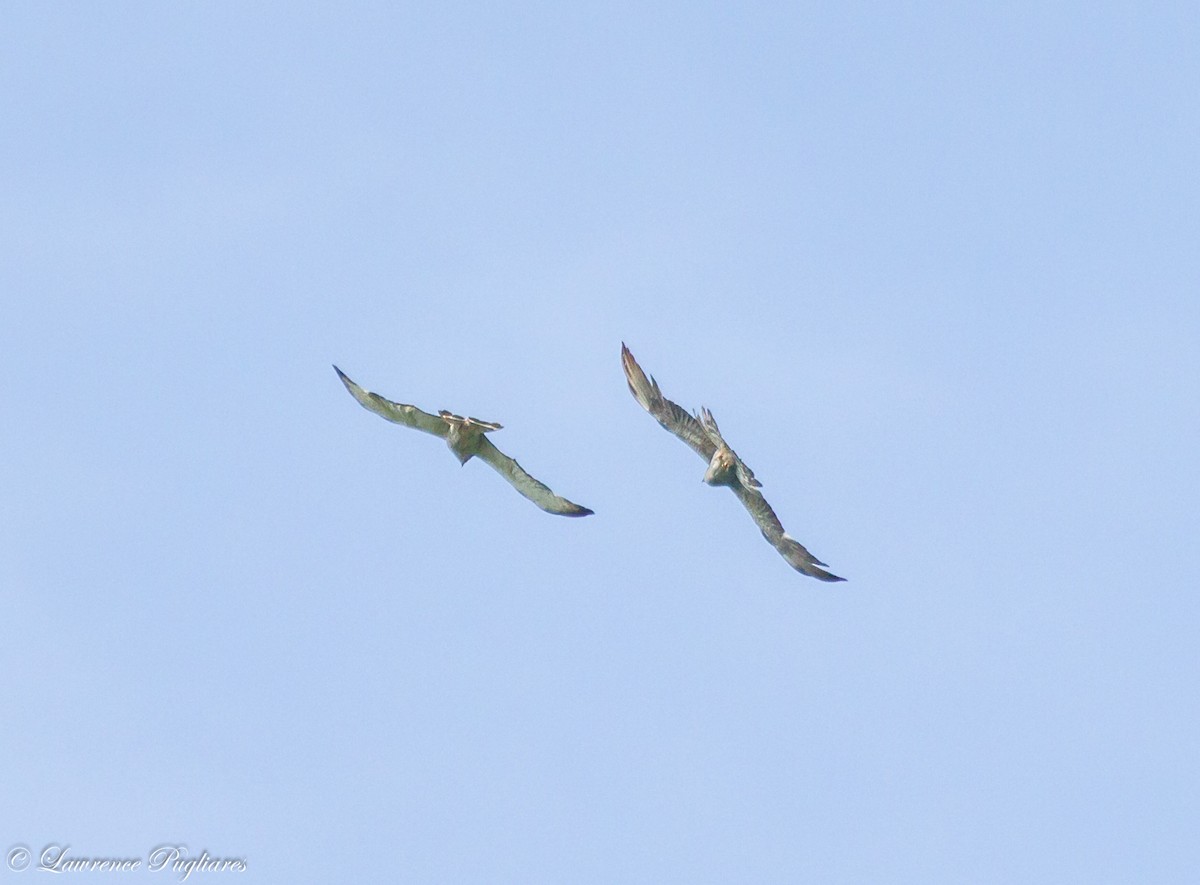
(809, 568)
(345, 379)
(819, 574)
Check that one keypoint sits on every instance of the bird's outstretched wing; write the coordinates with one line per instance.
(399, 413)
(535, 491)
(668, 414)
(772, 529)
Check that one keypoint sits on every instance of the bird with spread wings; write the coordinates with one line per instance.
(725, 468)
(466, 439)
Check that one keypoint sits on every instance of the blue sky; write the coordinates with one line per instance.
(932, 266)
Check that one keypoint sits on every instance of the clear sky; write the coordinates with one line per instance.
(933, 267)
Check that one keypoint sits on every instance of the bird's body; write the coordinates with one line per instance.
(466, 438)
(725, 468)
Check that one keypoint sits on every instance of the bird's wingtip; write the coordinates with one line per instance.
(829, 577)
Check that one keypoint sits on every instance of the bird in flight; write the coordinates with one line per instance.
(725, 468)
(466, 439)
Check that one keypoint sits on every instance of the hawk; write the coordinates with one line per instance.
(725, 468)
(466, 439)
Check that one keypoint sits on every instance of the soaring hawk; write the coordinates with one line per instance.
(465, 437)
(725, 468)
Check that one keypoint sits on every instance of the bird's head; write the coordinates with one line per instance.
(722, 469)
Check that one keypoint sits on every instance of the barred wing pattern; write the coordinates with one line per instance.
(705, 438)
(670, 415)
(789, 548)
